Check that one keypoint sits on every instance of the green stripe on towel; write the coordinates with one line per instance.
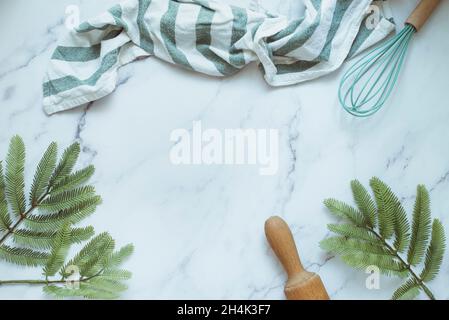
(168, 33)
(59, 85)
(78, 54)
(237, 57)
(204, 41)
(146, 43)
(298, 40)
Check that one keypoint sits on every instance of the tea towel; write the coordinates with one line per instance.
(210, 37)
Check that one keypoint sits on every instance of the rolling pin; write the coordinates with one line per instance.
(301, 284)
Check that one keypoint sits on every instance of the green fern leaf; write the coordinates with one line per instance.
(342, 245)
(78, 235)
(5, 219)
(61, 292)
(118, 257)
(59, 250)
(75, 214)
(435, 252)
(67, 199)
(390, 206)
(387, 265)
(95, 263)
(85, 291)
(385, 201)
(14, 177)
(22, 256)
(408, 291)
(365, 203)
(92, 254)
(401, 228)
(43, 173)
(351, 231)
(66, 164)
(116, 274)
(33, 239)
(109, 285)
(91, 291)
(363, 244)
(44, 239)
(104, 283)
(344, 211)
(73, 180)
(420, 227)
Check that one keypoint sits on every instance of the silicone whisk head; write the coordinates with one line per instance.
(366, 86)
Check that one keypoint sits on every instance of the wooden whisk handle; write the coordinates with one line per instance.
(281, 240)
(422, 13)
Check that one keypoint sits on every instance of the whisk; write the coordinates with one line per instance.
(366, 86)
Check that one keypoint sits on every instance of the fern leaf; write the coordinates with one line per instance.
(95, 263)
(73, 180)
(60, 247)
(75, 214)
(44, 239)
(408, 291)
(116, 274)
(90, 256)
(435, 252)
(61, 292)
(14, 177)
(5, 219)
(351, 231)
(342, 245)
(385, 201)
(78, 235)
(85, 291)
(344, 211)
(394, 218)
(107, 285)
(67, 199)
(91, 291)
(22, 256)
(113, 286)
(401, 228)
(43, 173)
(420, 227)
(33, 239)
(364, 202)
(66, 164)
(118, 257)
(387, 265)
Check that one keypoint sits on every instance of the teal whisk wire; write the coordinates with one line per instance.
(367, 84)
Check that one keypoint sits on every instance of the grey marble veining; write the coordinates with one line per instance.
(198, 230)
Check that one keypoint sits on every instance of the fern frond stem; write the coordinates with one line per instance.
(31, 282)
(46, 281)
(406, 265)
(23, 216)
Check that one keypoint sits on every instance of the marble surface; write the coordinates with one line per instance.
(198, 230)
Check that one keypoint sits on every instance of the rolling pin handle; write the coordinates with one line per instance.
(281, 240)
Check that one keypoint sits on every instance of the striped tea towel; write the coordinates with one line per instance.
(209, 37)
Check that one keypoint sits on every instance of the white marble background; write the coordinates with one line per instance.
(198, 231)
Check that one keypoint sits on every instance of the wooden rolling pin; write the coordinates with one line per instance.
(301, 284)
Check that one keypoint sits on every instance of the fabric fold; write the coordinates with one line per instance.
(208, 37)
